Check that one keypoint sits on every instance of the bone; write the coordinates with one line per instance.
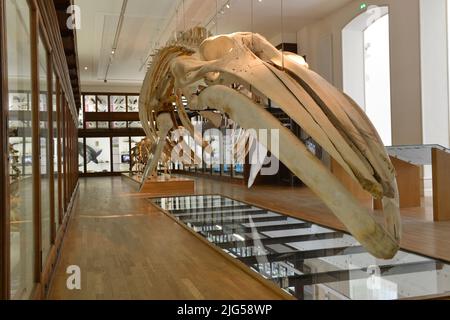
(235, 74)
(309, 169)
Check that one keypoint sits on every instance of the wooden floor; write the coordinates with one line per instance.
(127, 249)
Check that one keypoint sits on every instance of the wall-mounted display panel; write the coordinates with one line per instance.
(98, 155)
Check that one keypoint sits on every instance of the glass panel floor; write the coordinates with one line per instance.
(308, 261)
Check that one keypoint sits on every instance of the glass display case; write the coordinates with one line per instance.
(306, 260)
(22, 221)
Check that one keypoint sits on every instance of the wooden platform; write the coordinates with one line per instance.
(164, 186)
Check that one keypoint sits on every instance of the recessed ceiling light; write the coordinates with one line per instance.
(113, 52)
(85, 68)
(228, 6)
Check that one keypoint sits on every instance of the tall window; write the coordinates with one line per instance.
(20, 148)
(366, 64)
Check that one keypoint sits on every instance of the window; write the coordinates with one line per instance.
(118, 104)
(366, 67)
(90, 103)
(133, 104)
(20, 149)
(98, 155)
(102, 104)
(118, 125)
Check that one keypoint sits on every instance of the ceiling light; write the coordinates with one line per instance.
(228, 6)
(85, 68)
(113, 51)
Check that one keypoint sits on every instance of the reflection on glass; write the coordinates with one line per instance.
(55, 149)
(306, 260)
(133, 103)
(45, 153)
(20, 149)
(121, 154)
(90, 104)
(98, 155)
(118, 104)
(102, 104)
(216, 154)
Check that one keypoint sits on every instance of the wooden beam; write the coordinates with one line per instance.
(409, 184)
(111, 116)
(441, 185)
(54, 22)
(34, 43)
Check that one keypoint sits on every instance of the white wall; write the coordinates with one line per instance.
(111, 88)
(405, 60)
(435, 84)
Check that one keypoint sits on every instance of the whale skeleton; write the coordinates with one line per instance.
(232, 74)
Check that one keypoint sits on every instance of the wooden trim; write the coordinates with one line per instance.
(441, 185)
(51, 24)
(51, 147)
(106, 133)
(110, 94)
(111, 116)
(207, 175)
(34, 42)
(4, 166)
(59, 151)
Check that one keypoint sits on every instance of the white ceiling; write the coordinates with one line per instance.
(149, 24)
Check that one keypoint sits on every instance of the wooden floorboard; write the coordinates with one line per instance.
(127, 249)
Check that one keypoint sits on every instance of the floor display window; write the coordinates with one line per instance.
(309, 261)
